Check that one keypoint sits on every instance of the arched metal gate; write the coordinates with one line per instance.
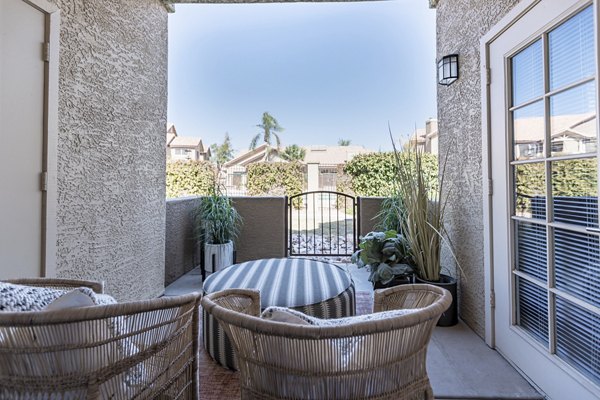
(321, 223)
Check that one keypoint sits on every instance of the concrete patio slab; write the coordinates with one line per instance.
(459, 363)
(461, 366)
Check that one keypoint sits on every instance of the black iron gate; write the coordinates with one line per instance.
(321, 223)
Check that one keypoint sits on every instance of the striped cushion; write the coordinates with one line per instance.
(314, 288)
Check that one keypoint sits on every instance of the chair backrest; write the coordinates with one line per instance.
(360, 359)
(124, 350)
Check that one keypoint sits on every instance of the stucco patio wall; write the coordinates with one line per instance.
(182, 252)
(262, 234)
(111, 144)
(368, 207)
(460, 26)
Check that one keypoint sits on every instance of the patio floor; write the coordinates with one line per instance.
(459, 363)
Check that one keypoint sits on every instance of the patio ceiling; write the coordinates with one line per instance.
(169, 3)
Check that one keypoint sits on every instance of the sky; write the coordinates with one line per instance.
(325, 71)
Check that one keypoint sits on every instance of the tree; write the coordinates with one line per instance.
(344, 142)
(222, 153)
(270, 128)
(293, 153)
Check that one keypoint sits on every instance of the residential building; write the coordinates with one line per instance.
(87, 200)
(321, 165)
(183, 148)
(425, 139)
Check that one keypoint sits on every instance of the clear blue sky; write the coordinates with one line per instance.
(325, 71)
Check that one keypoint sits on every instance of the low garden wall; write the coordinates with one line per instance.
(262, 233)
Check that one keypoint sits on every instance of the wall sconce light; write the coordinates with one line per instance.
(448, 69)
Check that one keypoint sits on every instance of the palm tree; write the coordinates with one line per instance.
(270, 127)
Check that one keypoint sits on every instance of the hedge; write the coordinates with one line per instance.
(275, 179)
(373, 174)
(570, 178)
(188, 178)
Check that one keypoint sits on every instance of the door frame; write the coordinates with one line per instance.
(48, 180)
(486, 41)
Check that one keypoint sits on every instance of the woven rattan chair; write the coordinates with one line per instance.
(376, 359)
(143, 350)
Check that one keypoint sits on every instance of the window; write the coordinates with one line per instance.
(328, 178)
(554, 169)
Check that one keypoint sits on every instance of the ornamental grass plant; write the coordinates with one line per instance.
(217, 221)
(422, 211)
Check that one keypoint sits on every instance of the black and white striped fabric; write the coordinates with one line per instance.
(315, 288)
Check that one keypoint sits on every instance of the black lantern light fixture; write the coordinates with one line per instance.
(448, 69)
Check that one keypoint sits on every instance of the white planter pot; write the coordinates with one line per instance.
(223, 256)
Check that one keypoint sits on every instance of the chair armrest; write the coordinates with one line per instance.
(405, 296)
(240, 300)
(64, 284)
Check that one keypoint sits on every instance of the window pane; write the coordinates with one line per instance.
(530, 190)
(531, 249)
(573, 120)
(528, 131)
(578, 338)
(577, 264)
(571, 48)
(575, 191)
(532, 309)
(527, 74)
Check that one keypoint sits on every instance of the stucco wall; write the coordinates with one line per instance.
(111, 157)
(263, 230)
(261, 234)
(460, 26)
(182, 252)
(369, 207)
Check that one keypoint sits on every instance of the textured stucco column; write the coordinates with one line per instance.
(460, 26)
(111, 144)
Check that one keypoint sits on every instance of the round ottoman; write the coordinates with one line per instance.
(315, 288)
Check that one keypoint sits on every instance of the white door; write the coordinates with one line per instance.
(22, 68)
(544, 165)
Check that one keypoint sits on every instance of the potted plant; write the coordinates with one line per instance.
(217, 224)
(422, 223)
(386, 256)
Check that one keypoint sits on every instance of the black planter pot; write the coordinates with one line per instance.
(450, 316)
(394, 282)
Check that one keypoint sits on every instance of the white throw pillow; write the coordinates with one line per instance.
(73, 299)
(345, 353)
(289, 316)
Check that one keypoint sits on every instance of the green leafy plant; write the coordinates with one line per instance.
(217, 221)
(221, 153)
(386, 256)
(293, 153)
(389, 215)
(270, 128)
(374, 174)
(189, 178)
(275, 178)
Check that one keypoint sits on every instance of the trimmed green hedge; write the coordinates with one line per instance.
(275, 179)
(374, 174)
(189, 178)
(570, 178)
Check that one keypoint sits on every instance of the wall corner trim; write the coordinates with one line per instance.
(170, 7)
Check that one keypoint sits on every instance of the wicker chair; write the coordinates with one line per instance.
(143, 350)
(377, 359)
